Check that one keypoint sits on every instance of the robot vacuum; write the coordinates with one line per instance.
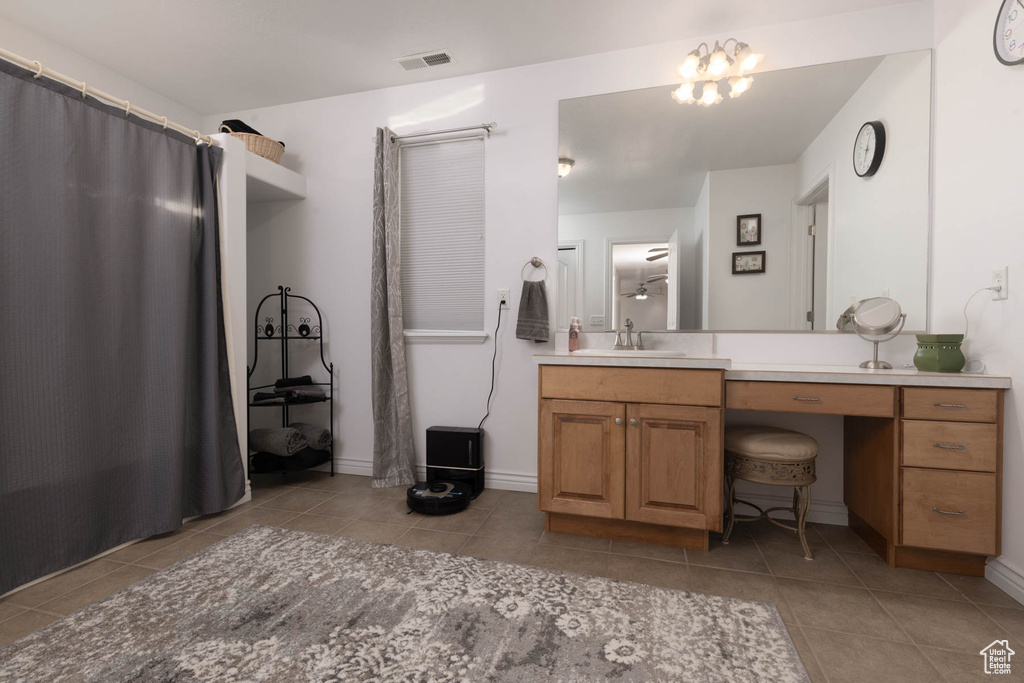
(438, 497)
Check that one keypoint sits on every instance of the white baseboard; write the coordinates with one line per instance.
(821, 512)
(1007, 577)
(506, 481)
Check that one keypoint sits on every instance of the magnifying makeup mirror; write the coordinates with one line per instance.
(877, 319)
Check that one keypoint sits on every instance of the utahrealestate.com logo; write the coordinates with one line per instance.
(997, 657)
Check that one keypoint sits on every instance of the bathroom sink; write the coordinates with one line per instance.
(629, 352)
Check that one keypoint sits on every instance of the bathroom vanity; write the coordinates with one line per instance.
(630, 448)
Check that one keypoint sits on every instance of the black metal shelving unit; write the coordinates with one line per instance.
(285, 332)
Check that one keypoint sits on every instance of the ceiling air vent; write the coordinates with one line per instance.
(424, 59)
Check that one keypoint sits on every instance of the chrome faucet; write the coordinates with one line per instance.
(629, 333)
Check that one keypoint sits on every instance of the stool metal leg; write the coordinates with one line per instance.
(801, 506)
(730, 504)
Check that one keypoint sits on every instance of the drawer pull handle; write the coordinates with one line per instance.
(950, 405)
(958, 447)
(958, 513)
(803, 398)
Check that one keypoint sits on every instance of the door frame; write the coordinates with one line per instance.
(579, 246)
(609, 289)
(803, 204)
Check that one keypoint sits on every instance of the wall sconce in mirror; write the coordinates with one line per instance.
(564, 166)
(877, 319)
(713, 65)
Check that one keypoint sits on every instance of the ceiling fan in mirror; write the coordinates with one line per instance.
(641, 292)
(657, 253)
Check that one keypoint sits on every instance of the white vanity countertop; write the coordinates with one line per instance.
(852, 374)
(772, 372)
(624, 361)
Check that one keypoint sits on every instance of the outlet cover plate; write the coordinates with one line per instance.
(1000, 278)
(505, 295)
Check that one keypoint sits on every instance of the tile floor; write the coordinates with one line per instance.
(851, 617)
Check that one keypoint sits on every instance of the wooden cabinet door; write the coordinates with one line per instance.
(674, 466)
(582, 457)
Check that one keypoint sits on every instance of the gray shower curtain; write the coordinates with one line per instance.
(116, 417)
(394, 462)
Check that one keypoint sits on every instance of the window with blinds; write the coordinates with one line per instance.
(442, 234)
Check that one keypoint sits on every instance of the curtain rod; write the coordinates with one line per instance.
(129, 109)
(485, 126)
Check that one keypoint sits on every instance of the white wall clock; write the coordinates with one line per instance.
(869, 148)
(1008, 39)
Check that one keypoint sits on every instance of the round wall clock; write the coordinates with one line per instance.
(869, 148)
(1008, 39)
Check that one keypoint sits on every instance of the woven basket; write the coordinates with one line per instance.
(258, 144)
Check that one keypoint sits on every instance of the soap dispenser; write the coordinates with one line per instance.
(574, 334)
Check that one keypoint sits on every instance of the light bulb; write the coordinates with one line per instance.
(564, 166)
(747, 58)
(688, 69)
(718, 56)
(641, 297)
(718, 68)
(684, 93)
(709, 94)
(738, 86)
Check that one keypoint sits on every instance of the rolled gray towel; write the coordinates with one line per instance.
(277, 440)
(314, 391)
(317, 437)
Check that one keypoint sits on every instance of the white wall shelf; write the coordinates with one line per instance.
(266, 181)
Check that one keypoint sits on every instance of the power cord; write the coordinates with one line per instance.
(967, 322)
(493, 359)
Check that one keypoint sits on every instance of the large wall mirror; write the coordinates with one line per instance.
(748, 214)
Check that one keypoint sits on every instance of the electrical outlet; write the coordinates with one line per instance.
(1000, 280)
(505, 297)
(597, 321)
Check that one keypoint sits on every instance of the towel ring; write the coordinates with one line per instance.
(536, 263)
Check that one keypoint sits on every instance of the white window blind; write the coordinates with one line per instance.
(442, 234)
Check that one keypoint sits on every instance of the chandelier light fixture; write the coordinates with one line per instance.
(707, 67)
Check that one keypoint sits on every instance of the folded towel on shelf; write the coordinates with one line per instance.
(293, 382)
(263, 397)
(266, 463)
(533, 312)
(277, 440)
(317, 437)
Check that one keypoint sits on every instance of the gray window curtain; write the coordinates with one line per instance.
(116, 417)
(394, 461)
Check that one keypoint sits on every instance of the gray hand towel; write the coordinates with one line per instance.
(317, 437)
(533, 312)
(278, 440)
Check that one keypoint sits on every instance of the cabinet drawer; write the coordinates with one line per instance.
(950, 510)
(960, 405)
(798, 397)
(632, 385)
(950, 445)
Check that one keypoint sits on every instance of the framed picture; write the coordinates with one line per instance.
(748, 230)
(747, 262)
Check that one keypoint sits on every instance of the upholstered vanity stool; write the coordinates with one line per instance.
(778, 457)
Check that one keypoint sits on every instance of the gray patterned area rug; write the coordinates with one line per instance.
(275, 605)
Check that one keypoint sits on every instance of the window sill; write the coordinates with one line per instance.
(444, 337)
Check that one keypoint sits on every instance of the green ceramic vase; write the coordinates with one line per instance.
(939, 353)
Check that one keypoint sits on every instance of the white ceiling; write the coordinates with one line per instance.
(640, 149)
(217, 56)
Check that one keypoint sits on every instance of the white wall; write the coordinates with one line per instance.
(752, 301)
(978, 226)
(321, 246)
(881, 219)
(595, 229)
(30, 45)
